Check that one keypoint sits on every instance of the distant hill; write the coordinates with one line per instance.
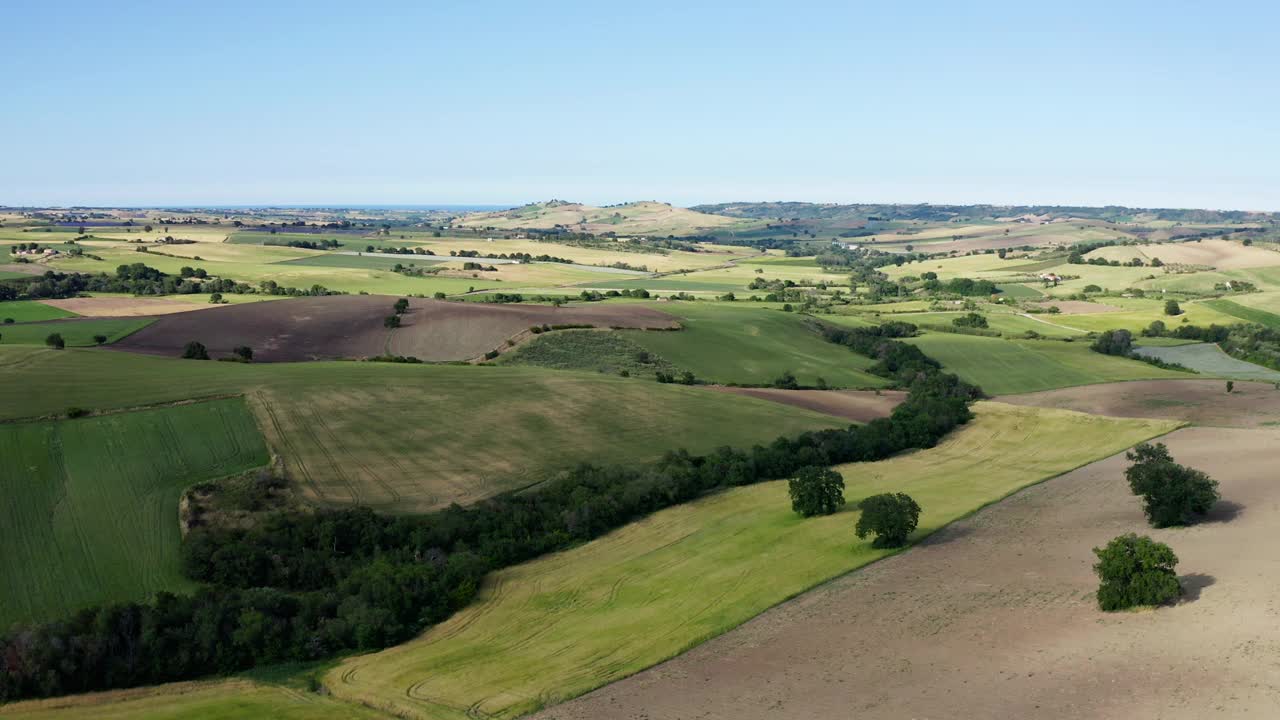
(635, 218)
(836, 214)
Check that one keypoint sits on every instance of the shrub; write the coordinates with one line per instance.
(816, 490)
(439, 295)
(215, 298)
(391, 322)
(1157, 328)
(1135, 571)
(77, 412)
(786, 381)
(99, 339)
(491, 355)
(972, 320)
(1113, 342)
(195, 351)
(244, 352)
(891, 517)
(401, 306)
(1092, 289)
(1172, 494)
(1171, 307)
(8, 321)
(55, 341)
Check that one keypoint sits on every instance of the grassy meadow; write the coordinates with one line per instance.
(22, 311)
(91, 511)
(744, 343)
(76, 333)
(408, 438)
(564, 624)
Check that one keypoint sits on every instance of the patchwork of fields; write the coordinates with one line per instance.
(554, 628)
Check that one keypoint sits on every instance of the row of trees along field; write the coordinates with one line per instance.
(140, 279)
(308, 585)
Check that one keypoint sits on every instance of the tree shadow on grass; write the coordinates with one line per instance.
(1192, 584)
(1223, 511)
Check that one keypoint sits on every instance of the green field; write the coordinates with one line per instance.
(612, 352)
(91, 511)
(212, 700)
(554, 628)
(1003, 367)
(76, 333)
(21, 311)
(363, 261)
(1247, 314)
(740, 343)
(413, 437)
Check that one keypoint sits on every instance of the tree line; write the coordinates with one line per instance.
(140, 279)
(302, 586)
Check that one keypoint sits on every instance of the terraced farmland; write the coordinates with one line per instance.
(91, 511)
(556, 627)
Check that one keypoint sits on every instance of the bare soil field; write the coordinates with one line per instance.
(1202, 402)
(856, 405)
(350, 326)
(1078, 307)
(23, 268)
(995, 616)
(124, 307)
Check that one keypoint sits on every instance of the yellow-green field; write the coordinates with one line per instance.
(559, 626)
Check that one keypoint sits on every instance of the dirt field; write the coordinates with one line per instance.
(1220, 254)
(124, 307)
(24, 268)
(856, 405)
(1203, 402)
(346, 326)
(995, 617)
(1079, 307)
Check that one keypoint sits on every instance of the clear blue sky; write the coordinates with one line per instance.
(1139, 103)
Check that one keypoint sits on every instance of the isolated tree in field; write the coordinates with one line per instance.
(391, 322)
(891, 517)
(1172, 494)
(786, 381)
(99, 339)
(244, 352)
(1135, 571)
(402, 305)
(55, 341)
(1231, 386)
(816, 491)
(215, 298)
(195, 351)
(1171, 307)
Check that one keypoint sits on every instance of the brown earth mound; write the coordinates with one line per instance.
(124, 307)
(1203, 402)
(856, 405)
(995, 617)
(350, 326)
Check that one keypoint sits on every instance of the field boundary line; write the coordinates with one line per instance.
(129, 409)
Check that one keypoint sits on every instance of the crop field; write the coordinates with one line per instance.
(128, 306)
(409, 438)
(559, 626)
(91, 511)
(637, 217)
(1002, 366)
(738, 343)
(376, 262)
(1209, 359)
(1134, 314)
(1245, 313)
(211, 700)
(1214, 253)
(337, 326)
(608, 352)
(21, 311)
(1200, 402)
(1002, 321)
(75, 332)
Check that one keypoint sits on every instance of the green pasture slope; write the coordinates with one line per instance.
(370, 262)
(21, 311)
(1209, 359)
(76, 333)
(91, 505)
(1004, 367)
(742, 343)
(1247, 314)
(408, 438)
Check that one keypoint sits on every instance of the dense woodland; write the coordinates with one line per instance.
(307, 585)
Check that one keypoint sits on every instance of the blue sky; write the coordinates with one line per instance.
(1137, 103)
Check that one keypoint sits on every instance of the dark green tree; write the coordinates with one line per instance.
(1114, 342)
(391, 322)
(55, 341)
(1230, 386)
(99, 339)
(1135, 571)
(402, 305)
(891, 517)
(1172, 494)
(786, 381)
(816, 490)
(244, 352)
(195, 351)
(1171, 307)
